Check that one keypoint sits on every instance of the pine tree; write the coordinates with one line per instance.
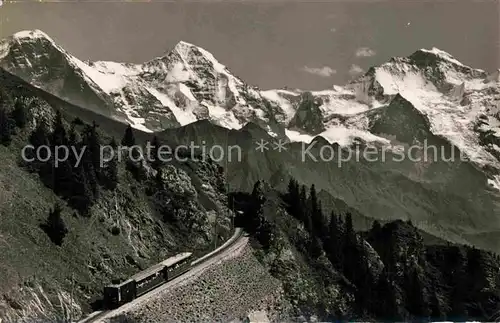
(293, 198)
(19, 113)
(376, 227)
(38, 137)
(258, 193)
(63, 178)
(313, 200)
(416, 295)
(6, 127)
(474, 271)
(473, 261)
(293, 190)
(349, 228)
(155, 159)
(350, 250)
(387, 308)
(315, 247)
(458, 283)
(318, 222)
(363, 279)
(81, 195)
(54, 226)
(62, 173)
(92, 143)
(90, 174)
(437, 313)
(302, 205)
(335, 242)
(59, 136)
(110, 172)
(128, 138)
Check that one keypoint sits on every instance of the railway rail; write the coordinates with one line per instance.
(197, 264)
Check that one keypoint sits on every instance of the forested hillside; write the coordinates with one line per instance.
(66, 231)
(391, 272)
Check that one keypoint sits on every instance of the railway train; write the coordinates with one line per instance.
(118, 294)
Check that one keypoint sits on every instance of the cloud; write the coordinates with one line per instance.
(365, 52)
(355, 70)
(324, 71)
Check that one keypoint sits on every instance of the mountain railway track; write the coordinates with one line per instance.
(196, 266)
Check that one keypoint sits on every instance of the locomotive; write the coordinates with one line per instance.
(118, 294)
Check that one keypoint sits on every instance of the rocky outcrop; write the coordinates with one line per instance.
(309, 117)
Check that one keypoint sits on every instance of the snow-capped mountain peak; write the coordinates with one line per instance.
(442, 54)
(32, 34)
(188, 84)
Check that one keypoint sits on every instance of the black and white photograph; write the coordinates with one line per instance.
(249, 161)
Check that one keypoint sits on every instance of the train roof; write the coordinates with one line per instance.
(147, 272)
(179, 257)
(120, 284)
(158, 267)
(155, 268)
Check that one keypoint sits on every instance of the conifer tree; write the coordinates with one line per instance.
(62, 173)
(318, 225)
(293, 198)
(6, 127)
(335, 242)
(350, 250)
(376, 228)
(313, 199)
(293, 189)
(54, 226)
(349, 228)
(91, 141)
(38, 137)
(435, 307)
(59, 136)
(415, 294)
(302, 205)
(91, 161)
(458, 283)
(19, 113)
(387, 308)
(155, 159)
(82, 196)
(128, 138)
(110, 172)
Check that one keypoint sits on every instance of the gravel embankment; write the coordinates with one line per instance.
(228, 291)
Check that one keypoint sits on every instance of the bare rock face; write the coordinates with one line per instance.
(308, 117)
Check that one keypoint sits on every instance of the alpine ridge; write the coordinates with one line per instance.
(189, 84)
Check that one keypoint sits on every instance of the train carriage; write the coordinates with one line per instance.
(177, 265)
(149, 279)
(117, 294)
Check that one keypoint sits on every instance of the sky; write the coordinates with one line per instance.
(310, 45)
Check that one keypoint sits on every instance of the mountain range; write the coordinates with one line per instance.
(427, 98)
